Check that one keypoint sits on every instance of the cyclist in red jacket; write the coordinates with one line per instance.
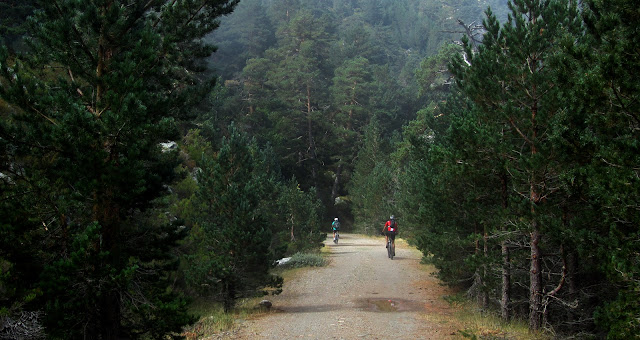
(390, 230)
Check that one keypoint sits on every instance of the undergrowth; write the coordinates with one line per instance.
(213, 319)
(300, 260)
(478, 325)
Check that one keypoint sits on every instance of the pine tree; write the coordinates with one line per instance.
(511, 81)
(450, 193)
(296, 83)
(602, 133)
(13, 20)
(372, 188)
(244, 35)
(233, 236)
(350, 92)
(91, 100)
(297, 220)
(281, 11)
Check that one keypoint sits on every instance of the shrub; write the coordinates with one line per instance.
(299, 260)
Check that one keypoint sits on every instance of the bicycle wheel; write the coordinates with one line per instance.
(389, 250)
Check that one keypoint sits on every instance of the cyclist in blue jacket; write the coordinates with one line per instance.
(335, 226)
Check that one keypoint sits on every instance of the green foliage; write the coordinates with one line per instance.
(241, 217)
(13, 20)
(285, 89)
(605, 97)
(468, 334)
(620, 317)
(311, 92)
(511, 81)
(297, 221)
(99, 87)
(372, 188)
(534, 143)
(445, 228)
(245, 34)
(232, 237)
(19, 265)
(350, 91)
(433, 76)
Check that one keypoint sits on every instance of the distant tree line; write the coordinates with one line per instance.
(310, 78)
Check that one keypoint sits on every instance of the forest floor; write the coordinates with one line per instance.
(360, 294)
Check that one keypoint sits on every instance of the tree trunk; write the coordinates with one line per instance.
(352, 103)
(506, 259)
(102, 68)
(479, 289)
(535, 273)
(571, 269)
(110, 316)
(293, 237)
(535, 278)
(571, 272)
(109, 312)
(506, 282)
(485, 292)
(312, 144)
(336, 183)
(229, 296)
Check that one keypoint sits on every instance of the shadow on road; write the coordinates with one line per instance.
(385, 305)
(341, 244)
(335, 253)
(309, 309)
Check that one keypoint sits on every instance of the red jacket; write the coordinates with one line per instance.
(391, 225)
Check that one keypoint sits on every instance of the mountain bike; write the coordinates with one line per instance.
(391, 246)
(335, 238)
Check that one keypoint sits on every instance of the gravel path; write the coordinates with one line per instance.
(361, 294)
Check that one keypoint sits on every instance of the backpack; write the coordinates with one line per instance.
(393, 224)
(335, 225)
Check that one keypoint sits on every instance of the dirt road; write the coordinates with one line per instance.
(361, 294)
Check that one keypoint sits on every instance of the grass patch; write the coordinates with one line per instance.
(213, 319)
(300, 260)
(477, 325)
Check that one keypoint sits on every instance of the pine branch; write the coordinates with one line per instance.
(84, 48)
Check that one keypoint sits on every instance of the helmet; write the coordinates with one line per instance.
(335, 219)
(392, 217)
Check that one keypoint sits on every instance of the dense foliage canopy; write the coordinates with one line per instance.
(526, 186)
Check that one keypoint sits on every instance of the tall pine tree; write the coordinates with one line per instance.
(603, 131)
(232, 235)
(91, 100)
(511, 81)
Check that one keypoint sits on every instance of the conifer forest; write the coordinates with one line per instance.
(160, 151)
